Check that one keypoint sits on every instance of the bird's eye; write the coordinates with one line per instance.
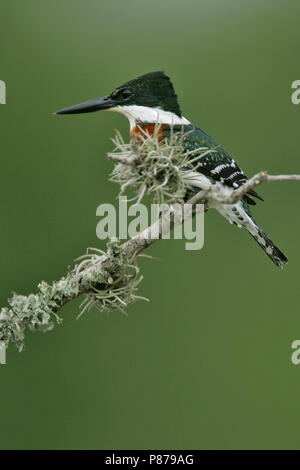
(122, 94)
(125, 94)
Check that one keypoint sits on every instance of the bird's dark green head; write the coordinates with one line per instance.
(152, 90)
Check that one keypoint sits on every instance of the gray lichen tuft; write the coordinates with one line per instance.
(116, 288)
(150, 167)
(24, 311)
(108, 280)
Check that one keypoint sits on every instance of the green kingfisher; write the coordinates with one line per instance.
(150, 100)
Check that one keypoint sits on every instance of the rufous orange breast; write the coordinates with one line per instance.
(144, 129)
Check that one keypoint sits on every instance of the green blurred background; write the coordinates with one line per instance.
(207, 363)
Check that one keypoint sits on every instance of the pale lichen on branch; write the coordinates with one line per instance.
(151, 167)
(107, 280)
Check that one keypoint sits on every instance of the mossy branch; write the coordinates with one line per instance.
(109, 280)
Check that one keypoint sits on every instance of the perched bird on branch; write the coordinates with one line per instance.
(150, 100)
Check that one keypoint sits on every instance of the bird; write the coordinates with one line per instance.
(149, 101)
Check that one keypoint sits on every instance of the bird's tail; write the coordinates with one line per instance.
(240, 215)
(269, 247)
(263, 240)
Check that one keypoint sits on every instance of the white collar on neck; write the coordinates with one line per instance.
(150, 115)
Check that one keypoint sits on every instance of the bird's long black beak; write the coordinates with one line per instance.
(89, 106)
